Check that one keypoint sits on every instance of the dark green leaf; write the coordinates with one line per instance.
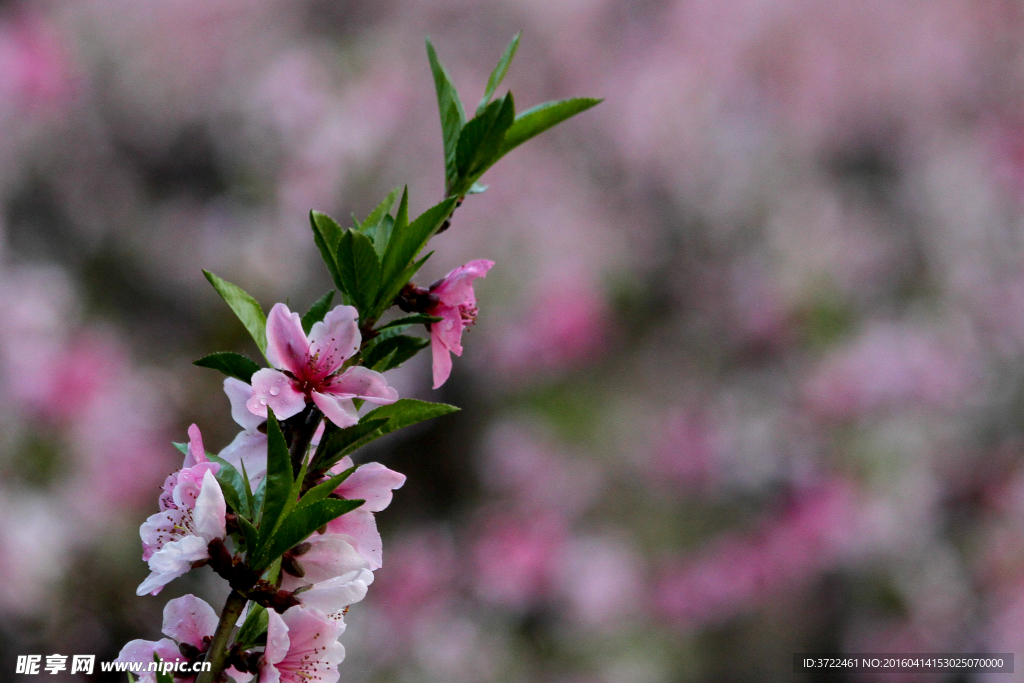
(327, 234)
(251, 536)
(317, 311)
(407, 411)
(408, 320)
(453, 117)
(389, 292)
(303, 522)
(402, 215)
(233, 486)
(382, 235)
(499, 72)
(231, 364)
(359, 269)
(391, 352)
(326, 488)
(405, 245)
(249, 497)
(538, 119)
(337, 443)
(255, 626)
(279, 479)
(244, 306)
(480, 143)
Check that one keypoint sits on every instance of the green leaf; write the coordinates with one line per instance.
(250, 499)
(231, 484)
(383, 209)
(317, 311)
(405, 412)
(251, 536)
(231, 364)
(327, 234)
(389, 292)
(359, 269)
(405, 245)
(326, 488)
(382, 235)
(538, 119)
(408, 320)
(255, 626)
(279, 479)
(131, 679)
(181, 446)
(161, 675)
(499, 72)
(303, 522)
(391, 352)
(480, 143)
(244, 306)
(453, 117)
(337, 443)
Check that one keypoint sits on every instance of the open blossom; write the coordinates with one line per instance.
(188, 620)
(456, 306)
(302, 646)
(373, 483)
(310, 369)
(192, 513)
(331, 572)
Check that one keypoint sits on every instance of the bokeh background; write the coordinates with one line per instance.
(748, 378)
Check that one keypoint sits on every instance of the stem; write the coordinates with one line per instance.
(218, 652)
(302, 436)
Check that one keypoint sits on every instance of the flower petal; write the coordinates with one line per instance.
(287, 346)
(250, 448)
(441, 357)
(341, 411)
(275, 389)
(211, 509)
(373, 483)
(332, 596)
(277, 640)
(189, 619)
(239, 394)
(362, 527)
(334, 339)
(457, 287)
(196, 453)
(360, 382)
(330, 555)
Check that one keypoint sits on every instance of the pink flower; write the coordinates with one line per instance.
(330, 570)
(373, 483)
(310, 368)
(302, 645)
(192, 513)
(188, 620)
(456, 305)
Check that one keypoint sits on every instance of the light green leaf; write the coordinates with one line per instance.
(231, 364)
(404, 247)
(481, 140)
(538, 119)
(337, 443)
(407, 411)
(255, 626)
(245, 307)
(383, 209)
(453, 117)
(389, 292)
(233, 486)
(317, 311)
(499, 72)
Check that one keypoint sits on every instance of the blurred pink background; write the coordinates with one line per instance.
(748, 378)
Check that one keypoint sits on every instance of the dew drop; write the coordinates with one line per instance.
(263, 401)
(274, 391)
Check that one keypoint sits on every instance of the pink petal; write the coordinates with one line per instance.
(373, 483)
(442, 359)
(239, 393)
(188, 620)
(277, 647)
(449, 330)
(142, 651)
(331, 555)
(196, 452)
(334, 339)
(287, 346)
(250, 448)
(362, 528)
(457, 287)
(210, 510)
(360, 382)
(341, 411)
(275, 389)
(332, 596)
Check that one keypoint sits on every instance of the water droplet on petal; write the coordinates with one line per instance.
(274, 391)
(263, 401)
